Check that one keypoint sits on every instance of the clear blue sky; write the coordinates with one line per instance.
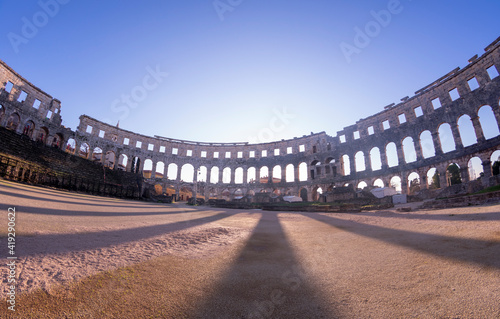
(229, 72)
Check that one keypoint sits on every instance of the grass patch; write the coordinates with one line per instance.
(488, 190)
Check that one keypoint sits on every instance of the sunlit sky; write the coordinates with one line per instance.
(227, 73)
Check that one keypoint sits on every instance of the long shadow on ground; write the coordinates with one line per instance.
(63, 243)
(474, 251)
(265, 281)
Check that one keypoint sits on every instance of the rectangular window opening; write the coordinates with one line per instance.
(126, 141)
(37, 104)
(240, 154)
(418, 111)
(356, 135)
(342, 138)
(436, 103)
(492, 72)
(162, 149)
(276, 152)
(289, 150)
(138, 144)
(402, 118)
(89, 129)
(454, 95)
(386, 125)
(101, 133)
(49, 114)
(302, 148)
(22, 97)
(228, 154)
(8, 87)
(252, 154)
(371, 130)
(189, 153)
(175, 151)
(473, 84)
(151, 147)
(264, 153)
(216, 154)
(203, 154)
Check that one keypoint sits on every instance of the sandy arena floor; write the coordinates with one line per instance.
(385, 264)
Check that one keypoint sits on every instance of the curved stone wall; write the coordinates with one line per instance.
(415, 128)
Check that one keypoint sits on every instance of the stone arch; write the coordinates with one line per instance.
(475, 168)
(122, 162)
(378, 183)
(57, 140)
(264, 174)
(29, 128)
(303, 172)
(160, 169)
(238, 175)
(136, 165)
(109, 159)
(453, 176)
(409, 152)
(316, 192)
(488, 122)
(84, 150)
(202, 174)
(413, 183)
(375, 159)
(446, 138)
(147, 170)
(214, 175)
(276, 174)
(362, 185)
(290, 173)
(495, 162)
(466, 130)
(251, 175)
(359, 159)
(43, 133)
(71, 146)
(97, 154)
(226, 175)
(391, 154)
(13, 121)
(433, 178)
(303, 194)
(395, 182)
(2, 113)
(345, 165)
(187, 173)
(426, 144)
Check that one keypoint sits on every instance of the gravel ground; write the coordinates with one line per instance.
(384, 264)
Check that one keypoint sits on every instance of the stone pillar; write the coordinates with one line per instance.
(437, 143)
(257, 175)
(209, 175)
(368, 164)
(464, 174)
(456, 136)
(496, 111)
(418, 150)
(383, 158)
(478, 129)
(195, 174)
(233, 175)
(399, 151)
(352, 163)
(443, 180)
(487, 169)
(153, 170)
(128, 167)
(296, 173)
(283, 175)
(245, 175)
(178, 177)
(220, 175)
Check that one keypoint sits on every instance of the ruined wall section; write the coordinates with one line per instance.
(28, 110)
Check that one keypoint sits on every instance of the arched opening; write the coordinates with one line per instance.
(2, 112)
(122, 162)
(109, 160)
(13, 122)
(264, 174)
(446, 138)
(172, 171)
(202, 174)
(84, 150)
(290, 173)
(303, 194)
(359, 159)
(427, 145)
(187, 173)
(158, 190)
(362, 185)
(475, 168)
(345, 165)
(378, 183)
(453, 176)
(316, 192)
(303, 172)
(71, 146)
(466, 130)
(375, 161)
(433, 181)
(495, 163)
(42, 136)
(251, 175)
(413, 183)
(97, 155)
(277, 174)
(238, 175)
(391, 154)
(214, 175)
(226, 175)
(160, 170)
(396, 184)
(409, 150)
(147, 170)
(28, 129)
(488, 122)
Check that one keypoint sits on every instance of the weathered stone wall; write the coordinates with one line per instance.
(322, 159)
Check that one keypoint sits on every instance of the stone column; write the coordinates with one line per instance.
(178, 177)
(437, 143)
(496, 111)
(220, 174)
(464, 174)
(368, 164)
(296, 173)
(153, 169)
(456, 136)
(383, 158)
(478, 129)
(245, 175)
(283, 175)
(418, 150)
(352, 163)
(209, 175)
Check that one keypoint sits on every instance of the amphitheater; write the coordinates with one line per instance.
(414, 139)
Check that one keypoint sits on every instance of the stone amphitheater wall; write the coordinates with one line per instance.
(357, 154)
